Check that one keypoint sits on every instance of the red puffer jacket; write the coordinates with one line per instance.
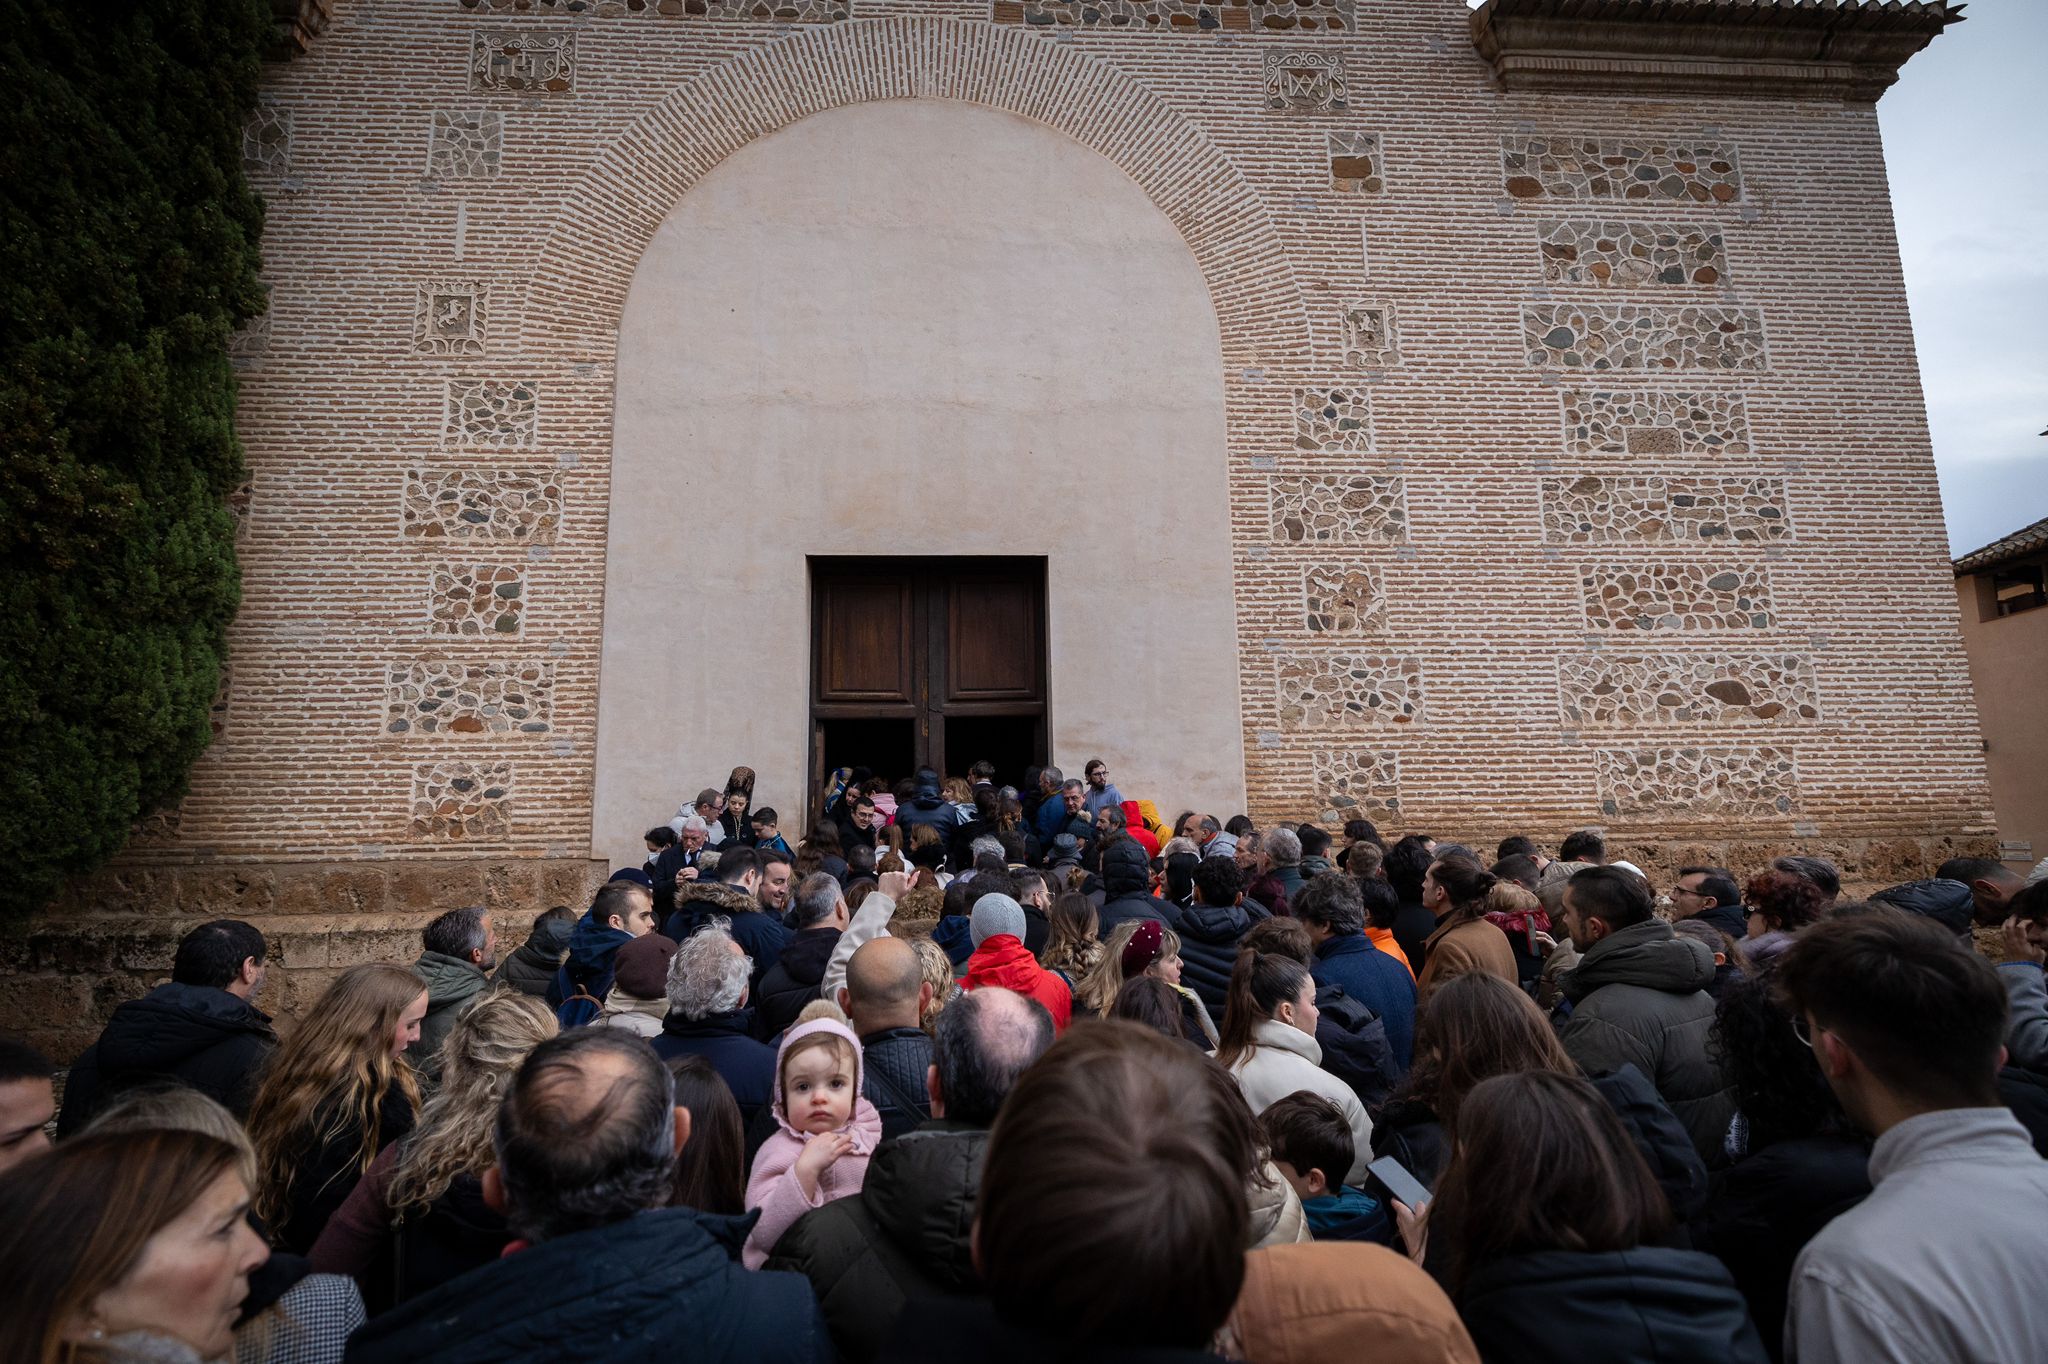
(1003, 960)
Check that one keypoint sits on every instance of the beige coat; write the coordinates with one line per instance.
(1283, 1059)
(1328, 1300)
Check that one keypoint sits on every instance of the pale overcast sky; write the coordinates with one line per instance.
(1963, 136)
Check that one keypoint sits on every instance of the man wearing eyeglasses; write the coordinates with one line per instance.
(1709, 894)
(1100, 794)
(1944, 1261)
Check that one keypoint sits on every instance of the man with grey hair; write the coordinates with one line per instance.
(906, 1235)
(708, 1016)
(1279, 870)
(461, 951)
(586, 1142)
(820, 916)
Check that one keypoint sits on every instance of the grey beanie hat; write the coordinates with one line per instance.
(993, 914)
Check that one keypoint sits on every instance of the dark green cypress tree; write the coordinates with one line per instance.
(128, 254)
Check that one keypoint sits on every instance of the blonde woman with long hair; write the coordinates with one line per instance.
(1140, 947)
(337, 1092)
(418, 1217)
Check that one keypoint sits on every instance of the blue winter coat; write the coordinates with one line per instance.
(746, 1064)
(1378, 981)
(660, 1286)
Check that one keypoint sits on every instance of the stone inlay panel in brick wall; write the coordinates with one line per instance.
(1312, 81)
(267, 140)
(523, 61)
(1181, 16)
(1759, 782)
(1655, 170)
(491, 414)
(1353, 781)
(1640, 598)
(465, 144)
(482, 504)
(1597, 509)
(1336, 420)
(1654, 422)
(476, 600)
(456, 799)
(440, 696)
(771, 11)
(1618, 336)
(1325, 691)
(449, 317)
(1337, 509)
(1681, 689)
(1355, 164)
(1343, 599)
(1591, 251)
(1368, 337)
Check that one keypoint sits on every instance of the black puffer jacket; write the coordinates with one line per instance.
(530, 968)
(1619, 1307)
(1768, 1205)
(793, 980)
(894, 1066)
(1209, 935)
(1127, 888)
(659, 1286)
(206, 1038)
(929, 807)
(1948, 903)
(1355, 1045)
(904, 1236)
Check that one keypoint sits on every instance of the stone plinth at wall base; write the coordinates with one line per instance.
(111, 937)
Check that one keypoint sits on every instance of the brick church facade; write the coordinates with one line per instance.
(1487, 422)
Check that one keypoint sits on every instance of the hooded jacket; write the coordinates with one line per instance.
(530, 968)
(588, 967)
(1640, 998)
(928, 807)
(1375, 980)
(1002, 959)
(794, 980)
(1646, 1304)
(1349, 1215)
(626, 1293)
(1209, 935)
(1134, 825)
(195, 1034)
(1948, 903)
(904, 1237)
(773, 1187)
(1283, 1059)
(1127, 889)
(1307, 1304)
(451, 984)
(761, 936)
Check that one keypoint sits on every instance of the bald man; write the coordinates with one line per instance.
(885, 996)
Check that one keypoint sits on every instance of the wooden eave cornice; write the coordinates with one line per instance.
(298, 23)
(1847, 50)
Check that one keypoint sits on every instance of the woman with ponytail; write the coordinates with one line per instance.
(337, 1092)
(1269, 1044)
(1454, 889)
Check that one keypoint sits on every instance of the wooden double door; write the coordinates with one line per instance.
(927, 662)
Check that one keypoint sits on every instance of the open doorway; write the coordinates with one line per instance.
(927, 662)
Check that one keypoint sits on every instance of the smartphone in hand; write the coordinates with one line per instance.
(1394, 1176)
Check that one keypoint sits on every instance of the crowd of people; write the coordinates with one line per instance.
(979, 1072)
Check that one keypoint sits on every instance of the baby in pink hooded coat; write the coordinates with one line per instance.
(824, 1130)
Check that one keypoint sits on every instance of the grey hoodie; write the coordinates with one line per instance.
(1639, 997)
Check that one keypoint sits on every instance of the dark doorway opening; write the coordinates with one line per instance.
(1011, 743)
(927, 662)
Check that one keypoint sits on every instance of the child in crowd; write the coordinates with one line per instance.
(1312, 1148)
(825, 1131)
(766, 833)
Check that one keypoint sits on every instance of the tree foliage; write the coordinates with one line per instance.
(127, 257)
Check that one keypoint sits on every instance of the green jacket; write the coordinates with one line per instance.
(1639, 998)
(451, 984)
